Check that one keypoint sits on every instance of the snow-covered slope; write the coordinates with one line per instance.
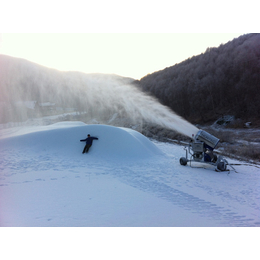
(125, 180)
(63, 139)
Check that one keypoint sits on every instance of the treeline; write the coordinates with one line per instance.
(221, 81)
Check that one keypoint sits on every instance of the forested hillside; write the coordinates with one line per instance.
(221, 81)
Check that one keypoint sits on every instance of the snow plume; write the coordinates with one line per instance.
(110, 99)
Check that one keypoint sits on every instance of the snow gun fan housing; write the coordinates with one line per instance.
(209, 140)
(201, 149)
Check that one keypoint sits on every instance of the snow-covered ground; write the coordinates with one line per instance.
(126, 180)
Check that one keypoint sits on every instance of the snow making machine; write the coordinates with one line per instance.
(200, 149)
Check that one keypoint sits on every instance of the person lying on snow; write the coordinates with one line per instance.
(88, 141)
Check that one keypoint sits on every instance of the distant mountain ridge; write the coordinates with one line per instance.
(25, 81)
(223, 80)
(22, 80)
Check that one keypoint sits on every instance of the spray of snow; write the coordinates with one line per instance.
(110, 99)
(104, 98)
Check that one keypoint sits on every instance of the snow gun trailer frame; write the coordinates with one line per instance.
(201, 150)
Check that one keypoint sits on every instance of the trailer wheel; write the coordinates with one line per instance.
(183, 161)
(222, 166)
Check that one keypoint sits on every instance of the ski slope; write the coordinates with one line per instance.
(126, 180)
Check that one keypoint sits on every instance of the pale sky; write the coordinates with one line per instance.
(128, 38)
(126, 54)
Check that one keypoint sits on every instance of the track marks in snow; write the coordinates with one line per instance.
(161, 184)
(199, 191)
(155, 178)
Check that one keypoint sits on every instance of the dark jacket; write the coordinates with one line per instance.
(89, 140)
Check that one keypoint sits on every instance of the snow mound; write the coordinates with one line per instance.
(63, 139)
